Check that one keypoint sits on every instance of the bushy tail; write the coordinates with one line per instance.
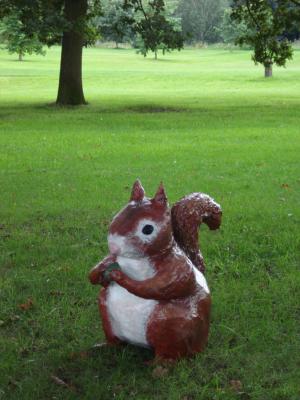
(187, 216)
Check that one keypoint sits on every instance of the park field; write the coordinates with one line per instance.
(199, 120)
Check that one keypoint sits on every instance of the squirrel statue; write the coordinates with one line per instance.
(154, 292)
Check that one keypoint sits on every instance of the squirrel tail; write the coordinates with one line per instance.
(187, 216)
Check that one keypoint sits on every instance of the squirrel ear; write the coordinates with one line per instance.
(138, 192)
(160, 196)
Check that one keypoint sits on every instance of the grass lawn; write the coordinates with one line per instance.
(200, 120)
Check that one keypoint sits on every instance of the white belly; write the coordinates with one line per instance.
(129, 314)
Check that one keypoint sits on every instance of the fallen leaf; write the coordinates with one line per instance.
(24, 352)
(13, 383)
(160, 372)
(98, 346)
(78, 355)
(118, 389)
(236, 385)
(189, 397)
(60, 382)
(56, 293)
(14, 318)
(285, 186)
(27, 305)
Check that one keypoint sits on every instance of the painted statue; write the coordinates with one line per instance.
(154, 292)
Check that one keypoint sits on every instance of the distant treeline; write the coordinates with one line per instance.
(201, 21)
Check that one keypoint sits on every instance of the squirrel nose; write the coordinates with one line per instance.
(113, 248)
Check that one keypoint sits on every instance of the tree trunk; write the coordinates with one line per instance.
(155, 55)
(20, 56)
(268, 71)
(70, 90)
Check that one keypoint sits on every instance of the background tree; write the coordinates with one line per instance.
(15, 40)
(230, 30)
(73, 24)
(267, 23)
(154, 27)
(113, 23)
(288, 11)
(200, 19)
(69, 22)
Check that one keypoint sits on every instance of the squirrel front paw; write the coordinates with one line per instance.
(117, 276)
(98, 275)
(95, 275)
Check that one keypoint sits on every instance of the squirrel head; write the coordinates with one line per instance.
(143, 227)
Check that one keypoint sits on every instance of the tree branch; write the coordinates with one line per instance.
(252, 15)
(296, 2)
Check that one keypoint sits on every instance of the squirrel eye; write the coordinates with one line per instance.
(147, 229)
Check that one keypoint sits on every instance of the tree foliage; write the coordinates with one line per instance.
(155, 29)
(73, 24)
(231, 30)
(14, 38)
(268, 23)
(113, 23)
(201, 19)
(48, 21)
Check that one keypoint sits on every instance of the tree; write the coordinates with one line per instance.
(267, 23)
(76, 34)
(69, 22)
(201, 18)
(72, 23)
(155, 29)
(113, 24)
(231, 30)
(288, 12)
(12, 35)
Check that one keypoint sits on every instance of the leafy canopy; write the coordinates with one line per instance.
(268, 24)
(46, 19)
(15, 40)
(113, 23)
(201, 19)
(155, 29)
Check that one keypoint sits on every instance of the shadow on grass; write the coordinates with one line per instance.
(9, 111)
(162, 60)
(146, 108)
(152, 109)
(115, 109)
(19, 76)
(100, 365)
(15, 60)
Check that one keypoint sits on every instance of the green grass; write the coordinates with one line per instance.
(200, 120)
